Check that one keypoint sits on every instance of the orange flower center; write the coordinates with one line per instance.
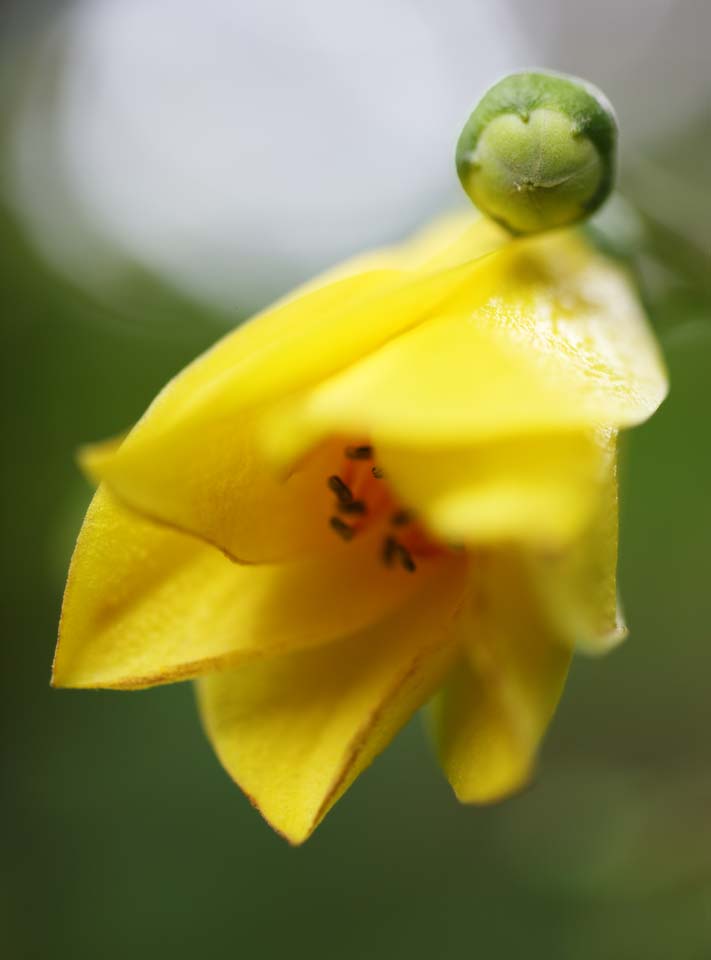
(362, 497)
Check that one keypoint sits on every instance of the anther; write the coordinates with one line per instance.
(390, 551)
(378, 473)
(405, 558)
(358, 507)
(342, 529)
(341, 489)
(393, 550)
(364, 452)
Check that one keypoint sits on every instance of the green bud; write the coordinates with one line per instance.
(538, 151)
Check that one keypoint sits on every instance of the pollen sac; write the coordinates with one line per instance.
(343, 492)
(538, 151)
(362, 452)
(343, 530)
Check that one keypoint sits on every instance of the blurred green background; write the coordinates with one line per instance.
(122, 835)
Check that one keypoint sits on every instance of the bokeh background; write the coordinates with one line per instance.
(168, 166)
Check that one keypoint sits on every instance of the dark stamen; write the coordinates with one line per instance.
(393, 550)
(341, 528)
(341, 489)
(378, 473)
(400, 518)
(355, 506)
(390, 551)
(364, 452)
(405, 558)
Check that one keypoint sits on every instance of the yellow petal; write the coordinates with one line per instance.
(559, 344)
(493, 711)
(295, 731)
(191, 460)
(212, 481)
(93, 457)
(145, 604)
(578, 585)
(536, 489)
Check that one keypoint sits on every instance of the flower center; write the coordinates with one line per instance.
(362, 497)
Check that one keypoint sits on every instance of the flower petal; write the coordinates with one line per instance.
(146, 605)
(578, 585)
(536, 489)
(210, 479)
(295, 731)
(489, 718)
(559, 344)
(191, 460)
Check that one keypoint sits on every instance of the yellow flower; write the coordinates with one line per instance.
(398, 482)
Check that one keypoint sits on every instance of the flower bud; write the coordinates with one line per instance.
(538, 151)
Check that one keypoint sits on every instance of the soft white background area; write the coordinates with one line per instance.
(234, 148)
